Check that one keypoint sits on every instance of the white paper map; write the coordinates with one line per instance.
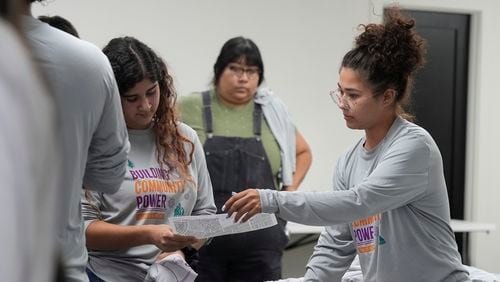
(206, 226)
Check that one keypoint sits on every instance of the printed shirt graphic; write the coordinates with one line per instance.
(155, 193)
(366, 234)
(149, 194)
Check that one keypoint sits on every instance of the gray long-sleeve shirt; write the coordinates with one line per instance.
(389, 206)
(150, 194)
(92, 130)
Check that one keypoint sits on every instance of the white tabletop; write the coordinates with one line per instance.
(459, 225)
(456, 224)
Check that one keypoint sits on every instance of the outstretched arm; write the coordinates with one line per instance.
(401, 177)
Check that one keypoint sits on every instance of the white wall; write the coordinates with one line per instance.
(302, 43)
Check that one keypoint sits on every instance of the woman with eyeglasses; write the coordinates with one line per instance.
(390, 204)
(250, 142)
(166, 174)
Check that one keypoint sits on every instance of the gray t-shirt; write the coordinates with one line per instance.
(390, 206)
(91, 129)
(150, 194)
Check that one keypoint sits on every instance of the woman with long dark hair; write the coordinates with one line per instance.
(167, 174)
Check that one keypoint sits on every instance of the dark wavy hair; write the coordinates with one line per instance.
(235, 49)
(387, 56)
(132, 61)
(60, 23)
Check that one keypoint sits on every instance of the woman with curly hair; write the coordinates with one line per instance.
(167, 174)
(390, 204)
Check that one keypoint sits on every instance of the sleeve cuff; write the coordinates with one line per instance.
(268, 202)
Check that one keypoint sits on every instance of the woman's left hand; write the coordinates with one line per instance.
(244, 204)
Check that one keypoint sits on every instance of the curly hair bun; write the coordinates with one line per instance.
(393, 45)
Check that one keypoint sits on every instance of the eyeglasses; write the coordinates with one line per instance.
(343, 101)
(252, 72)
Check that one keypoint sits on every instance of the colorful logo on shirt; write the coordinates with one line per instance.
(381, 240)
(366, 234)
(153, 192)
(179, 210)
(130, 164)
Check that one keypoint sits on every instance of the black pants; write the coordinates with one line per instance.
(247, 257)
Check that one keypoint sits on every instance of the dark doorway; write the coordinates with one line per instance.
(440, 97)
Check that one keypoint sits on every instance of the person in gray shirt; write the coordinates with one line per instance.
(166, 175)
(390, 202)
(91, 129)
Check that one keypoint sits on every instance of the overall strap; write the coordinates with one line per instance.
(257, 119)
(207, 113)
